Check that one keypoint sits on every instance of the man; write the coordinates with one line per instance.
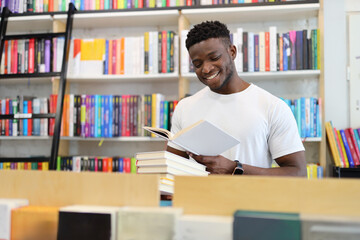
(263, 123)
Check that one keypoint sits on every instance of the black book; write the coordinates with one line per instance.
(87, 223)
(305, 50)
(299, 50)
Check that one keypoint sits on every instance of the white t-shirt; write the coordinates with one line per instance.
(263, 123)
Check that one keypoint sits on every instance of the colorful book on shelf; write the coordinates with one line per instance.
(347, 148)
(352, 147)
(342, 148)
(200, 138)
(332, 143)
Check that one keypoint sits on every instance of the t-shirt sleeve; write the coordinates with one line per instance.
(284, 136)
(176, 125)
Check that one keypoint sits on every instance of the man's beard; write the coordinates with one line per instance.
(227, 79)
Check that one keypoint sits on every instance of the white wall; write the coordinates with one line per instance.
(336, 85)
(336, 60)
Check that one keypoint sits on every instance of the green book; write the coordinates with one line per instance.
(262, 225)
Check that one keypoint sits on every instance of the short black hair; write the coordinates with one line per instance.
(205, 30)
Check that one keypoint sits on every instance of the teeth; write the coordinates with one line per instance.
(211, 77)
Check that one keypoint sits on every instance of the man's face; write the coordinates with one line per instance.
(213, 62)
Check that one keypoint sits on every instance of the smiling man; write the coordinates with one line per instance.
(263, 123)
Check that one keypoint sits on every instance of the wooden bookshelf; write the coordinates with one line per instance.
(52, 188)
(222, 195)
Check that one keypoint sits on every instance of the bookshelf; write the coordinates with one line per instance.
(294, 15)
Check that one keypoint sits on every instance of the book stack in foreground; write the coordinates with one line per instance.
(167, 165)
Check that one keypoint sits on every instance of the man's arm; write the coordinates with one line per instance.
(293, 164)
(177, 152)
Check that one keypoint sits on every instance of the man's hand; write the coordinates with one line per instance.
(215, 164)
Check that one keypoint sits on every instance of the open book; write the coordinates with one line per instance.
(200, 138)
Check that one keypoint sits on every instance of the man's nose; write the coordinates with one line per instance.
(207, 67)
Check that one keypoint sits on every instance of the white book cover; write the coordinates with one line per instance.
(127, 55)
(151, 53)
(45, 124)
(176, 55)
(71, 115)
(36, 121)
(141, 61)
(262, 51)
(76, 161)
(162, 158)
(2, 66)
(200, 227)
(6, 205)
(59, 52)
(273, 45)
(251, 58)
(201, 138)
(147, 223)
(172, 170)
(184, 57)
(155, 56)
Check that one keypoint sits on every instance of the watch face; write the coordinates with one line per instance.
(238, 171)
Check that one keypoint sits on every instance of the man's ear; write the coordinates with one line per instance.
(232, 51)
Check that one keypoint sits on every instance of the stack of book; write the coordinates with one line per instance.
(167, 164)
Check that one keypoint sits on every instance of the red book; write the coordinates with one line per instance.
(353, 139)
(110, 164)
(188, 3)
(39, 166)
(141, 4)
(110, 71)
(30, 121)
(6, 56)
(51, 6)
(352, 148)
(164, 52)
(105, 164)
(267, 51)
(31, 55)
(127, 165)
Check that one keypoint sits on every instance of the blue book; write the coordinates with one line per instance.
(318, 122)
(102, 118)
(92, 116)
(25, 121)
(106, 62)
(286, 50)
(106, 116)
(320, 172)
(347, 148)
(298, 114)
(111, 107)
(162, 114)
(96, 117)
(311, 128)
(315, 118)
(256, 52)
(121, 165)
(357, 138)
(299, 50)
(302, 116)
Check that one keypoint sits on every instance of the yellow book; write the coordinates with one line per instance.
(34, 222)
(146, 52)
(343, 149)
(331, 140)
(314, 170)
(45, 166)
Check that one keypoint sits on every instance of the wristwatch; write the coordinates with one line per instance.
(238, 169)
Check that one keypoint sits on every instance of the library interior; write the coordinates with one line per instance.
(176, 119)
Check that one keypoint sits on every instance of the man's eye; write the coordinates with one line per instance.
(215, 58)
